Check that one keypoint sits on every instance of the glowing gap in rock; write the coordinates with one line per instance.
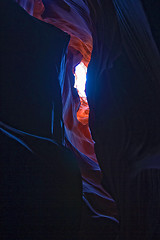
(80, 85)
(80, 79)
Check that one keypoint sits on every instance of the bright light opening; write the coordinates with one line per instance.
(80, 79)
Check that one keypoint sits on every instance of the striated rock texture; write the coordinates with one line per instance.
(73, 17)
(123, 91)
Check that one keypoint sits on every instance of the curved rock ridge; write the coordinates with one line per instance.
(74, 18)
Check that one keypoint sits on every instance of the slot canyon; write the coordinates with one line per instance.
(80, 120)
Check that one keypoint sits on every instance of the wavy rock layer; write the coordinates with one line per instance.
(73, 17)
